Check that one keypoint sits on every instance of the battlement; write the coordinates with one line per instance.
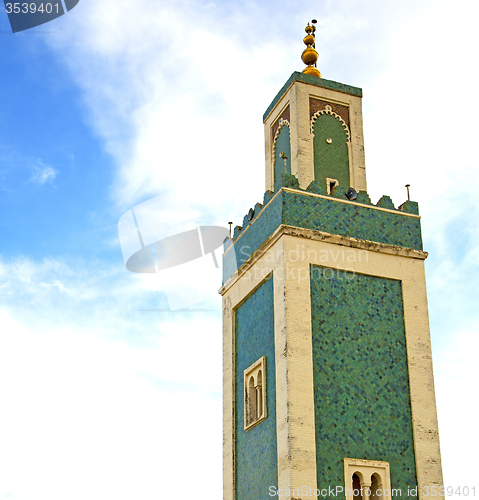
(313, 209)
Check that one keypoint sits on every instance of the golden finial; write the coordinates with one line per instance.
(309, 55)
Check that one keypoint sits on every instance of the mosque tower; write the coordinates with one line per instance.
(328, 383)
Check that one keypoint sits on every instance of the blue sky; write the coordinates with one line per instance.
(110, 396)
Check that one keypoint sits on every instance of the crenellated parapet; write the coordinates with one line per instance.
(314, 210)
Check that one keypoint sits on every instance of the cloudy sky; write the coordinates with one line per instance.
(107, 394)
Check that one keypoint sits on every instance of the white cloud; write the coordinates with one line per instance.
(100, 395)
(77, 411)
(456, 373)
(42, 173)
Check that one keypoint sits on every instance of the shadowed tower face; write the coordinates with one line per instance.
(328, 383)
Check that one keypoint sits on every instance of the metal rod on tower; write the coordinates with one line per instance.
(283, 155)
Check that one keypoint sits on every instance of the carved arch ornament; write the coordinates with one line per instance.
(329, 111)
(282, 123)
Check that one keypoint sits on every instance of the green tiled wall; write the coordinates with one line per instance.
(283, 143)
(324, 214)
(330, 160)
(361, 386)
(255, 449)
(351, 220)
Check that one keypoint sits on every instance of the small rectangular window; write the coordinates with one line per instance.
(331, 185)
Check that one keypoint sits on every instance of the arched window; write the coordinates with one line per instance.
(356, 488)
(376, 487)
(252, 400)
(255, 393)
(259, 395)
(367, 479)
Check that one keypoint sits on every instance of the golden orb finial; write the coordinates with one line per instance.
(310, 55)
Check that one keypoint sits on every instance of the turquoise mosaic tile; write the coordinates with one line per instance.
(287, 181)
(385, 202)
(323, 214)
(237, 232)
(351, 220)
(339, 192)
(255, 449)
(283, 145)
(330, 150)
(364, 198)
(315, 187)
(410, 207)
(252, 238)
(267, 196)
(361, 385)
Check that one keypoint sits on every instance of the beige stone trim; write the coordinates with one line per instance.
(228, 400)
(348, 241)
(299, 353)
(421, 381)
(281, 362)
(344, 241)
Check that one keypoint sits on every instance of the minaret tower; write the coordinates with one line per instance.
(328, 382)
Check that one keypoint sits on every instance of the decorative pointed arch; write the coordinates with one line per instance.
(331, 144)
(328, 110)
(279, 136)
(282, 123)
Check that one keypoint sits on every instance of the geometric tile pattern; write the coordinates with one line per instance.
(361, 384)
(331, 157)
(282, 145)
(323, 214)
(255, 449)
(345, 219)
(386, 202)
